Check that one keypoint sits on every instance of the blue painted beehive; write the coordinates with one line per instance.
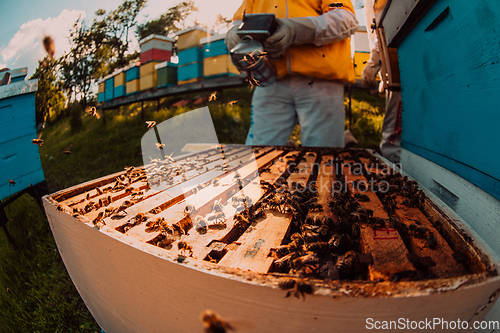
(119, 91)
(19, 157)
(194, 54)
(450, 90)
(190, 72)
(214, 46)
(133, 73)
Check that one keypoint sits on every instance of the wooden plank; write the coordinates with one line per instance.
(385, 245)
(411, 217)
(76, 199)
(201, 244)
(256, 242)
(203, 199)
(175, 195)
(179, 190)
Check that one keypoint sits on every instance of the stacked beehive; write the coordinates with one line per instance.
(100, 92)
(109, 85)
(166, 74)
(190, 53)
(119, 78)
(154, 49)
(216, 58)
(132, 75)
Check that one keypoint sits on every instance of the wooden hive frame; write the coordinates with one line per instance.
(404, 245)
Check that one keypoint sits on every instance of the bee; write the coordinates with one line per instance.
(301, 288)
(355, 231)
(140, 217)
(347, 264)
(284, 263)
(166, 242)
(92, 110)
(160, 145)
(59, 208)
(12, 182)
(151, 124)
(315, 206)
(87, 197)
(232, 103)
(258, 213)
(317, 247)
(432, 241)
(287, 283)
(215, 182)
(213, 323)
(98, 191)
(212, 97)
(220, 222)
(285, 249)
(38, 142)
(361, 197)
(200, 224)
(310, 236)
(110, 200)
(184, 246)
(334, 242)
(98, 218)
(310, 259)
(67, 152)
(189, 209)
(217, 206)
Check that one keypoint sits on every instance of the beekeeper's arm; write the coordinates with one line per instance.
(373, 65)
(334, 25)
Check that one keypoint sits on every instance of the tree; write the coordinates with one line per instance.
(166, 24)
(116, 26)
(49, 98)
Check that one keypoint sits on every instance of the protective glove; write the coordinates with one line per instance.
(232, 37)
(371, 69)
(293, 31)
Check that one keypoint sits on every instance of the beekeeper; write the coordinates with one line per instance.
(312, 52)
(390, 145)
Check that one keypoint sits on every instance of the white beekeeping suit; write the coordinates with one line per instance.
(391, 128)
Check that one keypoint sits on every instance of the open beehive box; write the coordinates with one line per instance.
(273, 239)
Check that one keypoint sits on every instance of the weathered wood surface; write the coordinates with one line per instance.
(390, 255)
(255, 244)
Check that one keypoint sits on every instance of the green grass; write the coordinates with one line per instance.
(36, 293)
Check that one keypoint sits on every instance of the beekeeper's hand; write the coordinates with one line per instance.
(294, 31)
(232, 37)
(371, 69)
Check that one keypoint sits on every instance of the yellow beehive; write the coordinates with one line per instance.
(148, 82)
(120, 79)
(196, 79)
(132, 86)
(191, 37)
(148, 69)
(360, 59)
(101, 88)
(218, 65)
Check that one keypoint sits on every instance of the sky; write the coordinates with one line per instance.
(26, 22)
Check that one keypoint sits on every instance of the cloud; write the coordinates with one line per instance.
(25, 48)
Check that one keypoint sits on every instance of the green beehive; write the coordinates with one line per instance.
(166, 74)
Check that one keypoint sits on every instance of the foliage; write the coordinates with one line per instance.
(116, 26)
(49, 99)
(167, 23)
(367, 118)
(36, 293)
